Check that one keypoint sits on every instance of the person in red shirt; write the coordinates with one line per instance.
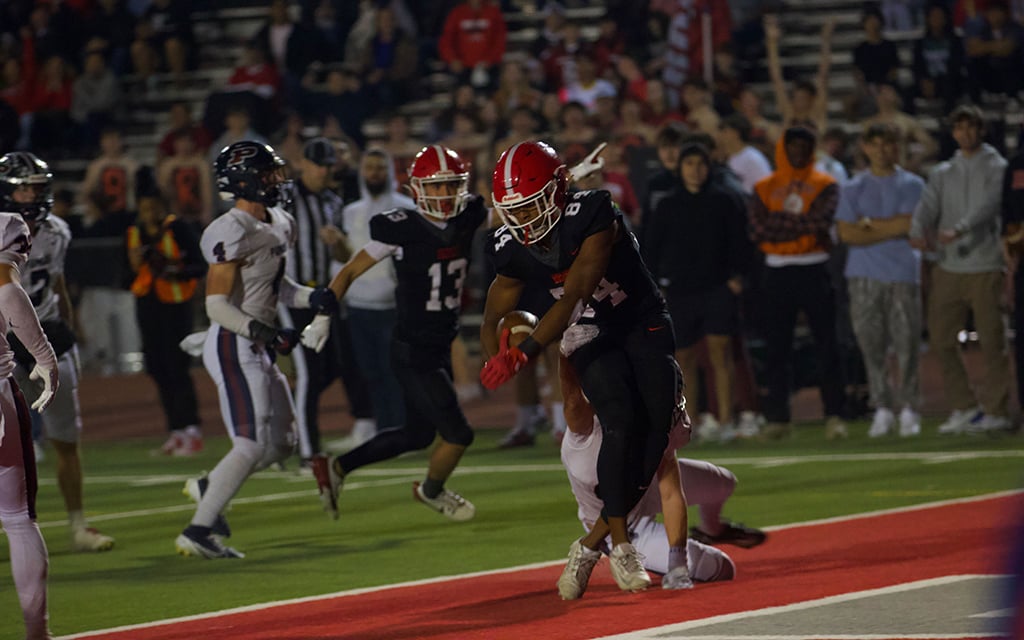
(473, 42)
(51, 104)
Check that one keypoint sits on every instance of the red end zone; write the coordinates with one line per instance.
(796, 564)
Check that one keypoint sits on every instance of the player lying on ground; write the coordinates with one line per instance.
(660, 545)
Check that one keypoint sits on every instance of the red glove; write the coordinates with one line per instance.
(501, 367)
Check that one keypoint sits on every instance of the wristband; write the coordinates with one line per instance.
(530, 347)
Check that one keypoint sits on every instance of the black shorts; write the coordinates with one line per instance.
(695, 315)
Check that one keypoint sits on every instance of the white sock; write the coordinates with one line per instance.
(226, 479)
(558, 424)
(76, 519)
(193, 431)
(29, 560)
(526, 417)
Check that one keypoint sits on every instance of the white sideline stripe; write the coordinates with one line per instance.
(525, 567)
(654, 632)
(998, 613)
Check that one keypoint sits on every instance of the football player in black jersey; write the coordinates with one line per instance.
(576, 246)
(430, 247)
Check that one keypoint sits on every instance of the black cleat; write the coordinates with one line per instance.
(733, 533)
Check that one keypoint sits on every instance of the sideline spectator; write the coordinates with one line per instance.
(790, 217)
(700, 115)
(807, 103)
(473, 42)
(108, 188)
(917, 147)
(959, 219)
(883, 278)
(939, 58)
(993, 45)
(661, 184)
(746, 162)
(187, 184)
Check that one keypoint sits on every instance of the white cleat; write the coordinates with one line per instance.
(89, 539)
(448, 503)
(628, 568)
(190, 543)
(676, 579)
(576, 574)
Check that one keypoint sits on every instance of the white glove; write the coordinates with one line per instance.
(50, 384)
(192, 344)
(315, 335)
(678, 578)
(589, 165)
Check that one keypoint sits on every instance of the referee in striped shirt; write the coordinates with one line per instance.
(314, 207)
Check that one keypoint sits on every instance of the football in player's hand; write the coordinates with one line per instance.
(520, 323)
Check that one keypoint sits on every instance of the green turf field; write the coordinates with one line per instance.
(525, 513)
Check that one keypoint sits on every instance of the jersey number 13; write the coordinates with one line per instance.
(440, 285)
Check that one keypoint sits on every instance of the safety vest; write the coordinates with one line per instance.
(167, 291)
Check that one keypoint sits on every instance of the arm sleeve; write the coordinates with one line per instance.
(228, 315)
(294, 295)
(22, 319)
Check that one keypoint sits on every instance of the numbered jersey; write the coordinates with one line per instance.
(259, 248)
(45, 265)
(626, 294)
(431, 264)
(15, 244)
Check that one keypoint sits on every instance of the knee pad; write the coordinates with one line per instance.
(459, 433)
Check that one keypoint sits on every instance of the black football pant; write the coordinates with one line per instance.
(630, 376)
(162, 326)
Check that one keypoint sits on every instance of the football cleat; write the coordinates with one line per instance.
(194, 489)
(193, 542)
(328, 481)
(89, 539)
(448, 503)
(707, 563)
(576, 574)
(678, 578)
(732, 533)
(517, 438)
(628, 568)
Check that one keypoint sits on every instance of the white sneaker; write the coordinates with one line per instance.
(576, 574)
(958, 421)
(987, 424)
(749, 425)
(709, 430)
(448, 503)
(89, 539)
(628, 568)
(678, 578)
(910, 423)
(882, 424)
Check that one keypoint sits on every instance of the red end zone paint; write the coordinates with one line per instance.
(797, 564)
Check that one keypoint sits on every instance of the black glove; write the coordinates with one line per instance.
(282, 341)
(322, 301)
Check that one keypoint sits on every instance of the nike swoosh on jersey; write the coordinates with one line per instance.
(656, 328)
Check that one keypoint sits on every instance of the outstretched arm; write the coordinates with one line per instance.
(821, 80)
(772, 34)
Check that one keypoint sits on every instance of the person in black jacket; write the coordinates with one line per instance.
(699, 253)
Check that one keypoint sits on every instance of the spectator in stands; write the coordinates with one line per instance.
(163, 39)
(389, 61)
(700, 115)
(238, 126)
(684, 56)
(726, 85)
(662, 182)
(344, 177)
(371, 298)
(297, 49)
(111, 28)
(900, 15)
(401, 147)
(179, 118)
(791, 215)
(576, 137)
(633, 80)
(917, 147)
(993, 46)
(807, 104)
(551, 30)
(938, 65)
(51, 107)
(959, 218)
(587, 87)
(558, 60)
(522, 127)
(166, 263)
(473, 42)
(883, 277)
(699, 253)
(364, 27)
(749, 164)
(343, 99)
(763, 132)
(289, 141)
(610, 44)
(829, 156)
(631, 127)
(95, 99)
(255, 74)
(186, 183)
(463, 99)
(613, 177)
(470, 140)
(658, 109)
(108, 189)
(875, 60)
(514, 90)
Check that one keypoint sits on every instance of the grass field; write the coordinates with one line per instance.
(525, 513)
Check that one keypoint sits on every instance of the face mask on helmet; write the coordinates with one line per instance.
(441, 197)
(532, 218)
(251, 171)
(26, 186)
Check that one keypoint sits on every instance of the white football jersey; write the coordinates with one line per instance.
(15, 244)
(579, 457)
(46, 264)
(259, 248)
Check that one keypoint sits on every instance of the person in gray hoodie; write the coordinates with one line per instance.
(371, 297)
(958, 218)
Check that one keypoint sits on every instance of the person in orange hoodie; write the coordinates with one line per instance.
(791, 214)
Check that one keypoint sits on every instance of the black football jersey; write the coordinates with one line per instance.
(431, 268)
(626, 294)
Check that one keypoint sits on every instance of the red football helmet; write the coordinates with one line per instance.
(435, 165)
(529, 190)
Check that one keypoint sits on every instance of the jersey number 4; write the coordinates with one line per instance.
(457, 269)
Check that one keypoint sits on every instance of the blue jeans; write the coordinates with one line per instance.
(371, 331)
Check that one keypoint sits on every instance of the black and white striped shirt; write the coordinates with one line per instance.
(309, 262)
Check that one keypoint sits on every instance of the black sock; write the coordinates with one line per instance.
(197, 530)
(432, 488)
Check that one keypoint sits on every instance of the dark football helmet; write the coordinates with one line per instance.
(251, 171)
(21, 168)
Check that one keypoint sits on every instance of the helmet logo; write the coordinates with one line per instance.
(241, 154)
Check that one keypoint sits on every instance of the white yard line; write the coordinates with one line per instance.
(794, 607)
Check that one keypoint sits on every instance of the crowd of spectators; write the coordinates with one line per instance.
(635, 77)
